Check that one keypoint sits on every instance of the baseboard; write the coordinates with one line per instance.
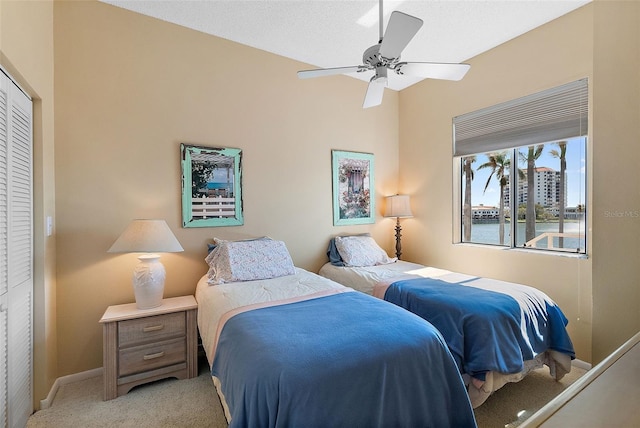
(76, 377)
(581, 364)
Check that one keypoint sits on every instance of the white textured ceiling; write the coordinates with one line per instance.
(326, 33)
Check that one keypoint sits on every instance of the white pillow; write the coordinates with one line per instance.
(233, 261)
(361, 251)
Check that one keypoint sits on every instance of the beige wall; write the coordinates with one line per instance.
(599, 42)
(129, 90)
(616, 175)
(26, 52)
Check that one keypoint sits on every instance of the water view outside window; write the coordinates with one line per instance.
(531, 197)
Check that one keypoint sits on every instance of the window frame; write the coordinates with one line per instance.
(567, 122)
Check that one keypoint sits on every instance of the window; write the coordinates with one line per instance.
(523, 166)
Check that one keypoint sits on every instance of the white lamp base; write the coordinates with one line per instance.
(148, 281)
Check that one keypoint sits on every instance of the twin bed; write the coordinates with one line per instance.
(288, 347)
(497, 331)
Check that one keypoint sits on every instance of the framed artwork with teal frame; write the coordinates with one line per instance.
(211, 186)
(352, 188)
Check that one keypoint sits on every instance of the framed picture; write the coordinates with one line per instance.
(211, 186)
(352, 188)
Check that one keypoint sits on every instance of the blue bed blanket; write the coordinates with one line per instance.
(488, 325)
(345, 360)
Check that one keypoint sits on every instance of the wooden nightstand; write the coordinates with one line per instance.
(144, 345)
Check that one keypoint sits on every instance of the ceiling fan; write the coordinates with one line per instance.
(385, 56)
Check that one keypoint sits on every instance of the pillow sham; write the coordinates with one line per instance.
(360, 251)
(233, 261)
(334, 255)
(216, 241)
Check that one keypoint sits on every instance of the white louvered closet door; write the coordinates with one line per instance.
(16, 254)
(4, 227)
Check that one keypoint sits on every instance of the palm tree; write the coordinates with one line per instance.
(200, 174)
(499, 164)
(562, 155)
(533, 154)
(467, 170)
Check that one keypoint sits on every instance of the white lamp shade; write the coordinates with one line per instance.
(398, 206)
(146, 236)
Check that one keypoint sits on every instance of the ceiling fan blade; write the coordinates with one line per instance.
(307, 74)
(374, 94)
(432, 70)
(400, 30)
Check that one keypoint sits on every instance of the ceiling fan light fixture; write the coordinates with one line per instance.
(381, 75)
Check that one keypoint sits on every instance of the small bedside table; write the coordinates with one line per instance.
(144, 345)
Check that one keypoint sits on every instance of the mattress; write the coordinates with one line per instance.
(365, 278)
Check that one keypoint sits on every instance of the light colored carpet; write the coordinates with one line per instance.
(194, 403)
(165, 403)
(512, 404)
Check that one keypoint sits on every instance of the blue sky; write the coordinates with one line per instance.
(219, 175)
(576, 166)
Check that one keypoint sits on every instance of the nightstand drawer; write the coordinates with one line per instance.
(159, 327)
(152, 356)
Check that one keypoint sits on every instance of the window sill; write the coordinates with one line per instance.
(523, 249)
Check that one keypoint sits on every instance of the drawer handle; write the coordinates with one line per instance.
(153, 356)
(153, 328)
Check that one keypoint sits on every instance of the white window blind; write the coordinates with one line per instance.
(551, 115)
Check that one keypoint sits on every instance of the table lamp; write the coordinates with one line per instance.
(398, 206)
(148, 237)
